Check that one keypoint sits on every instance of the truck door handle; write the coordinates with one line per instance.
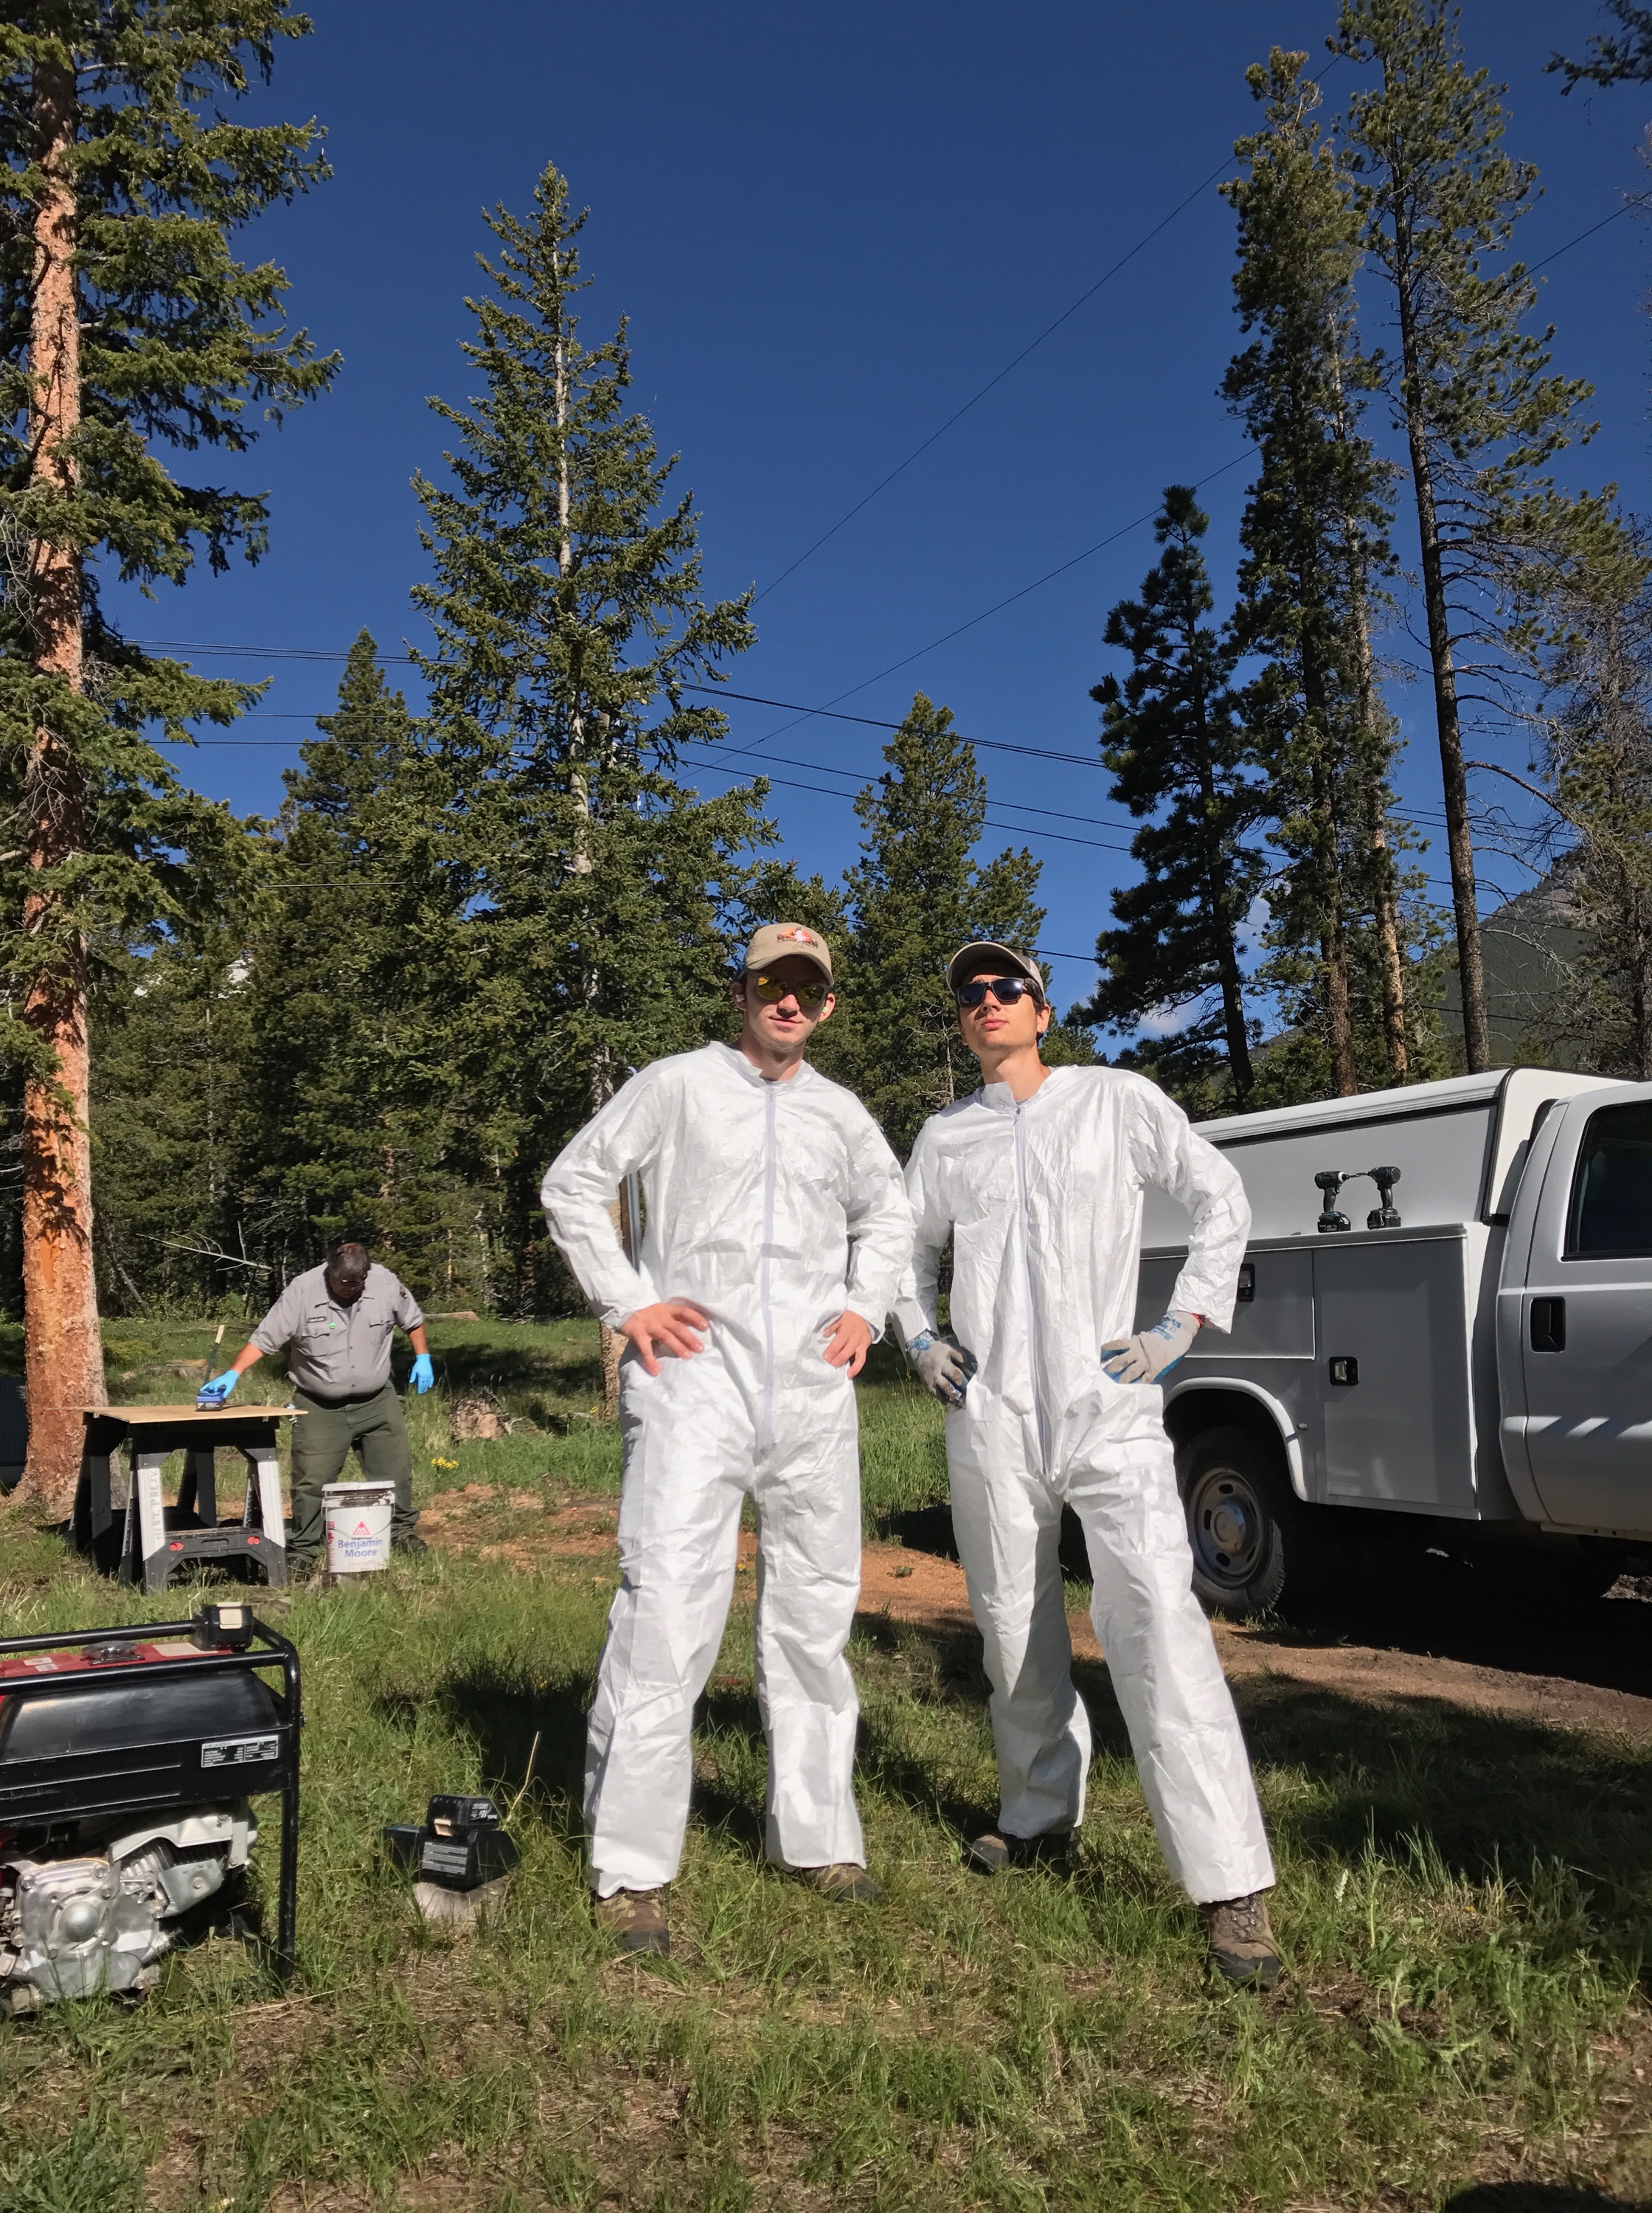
(1548, 1325)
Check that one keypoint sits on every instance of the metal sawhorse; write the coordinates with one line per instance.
(151, 1551)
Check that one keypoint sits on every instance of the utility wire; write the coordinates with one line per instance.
(794, 707)
(975, 399)
(406, 659)
(1015, 829)
(998, 606)
(1049, 331)
(1635, 200)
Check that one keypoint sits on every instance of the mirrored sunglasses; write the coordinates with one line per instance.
(811, 997)
(1008, 990)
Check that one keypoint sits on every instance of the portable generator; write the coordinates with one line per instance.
(128, 1761)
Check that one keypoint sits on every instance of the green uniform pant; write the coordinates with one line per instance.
(321, 1444)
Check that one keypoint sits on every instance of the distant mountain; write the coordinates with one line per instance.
(1531, 946)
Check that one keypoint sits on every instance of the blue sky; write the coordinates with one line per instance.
(830, 225)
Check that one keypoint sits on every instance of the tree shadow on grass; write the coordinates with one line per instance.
(730, 1710)
(928, 1529)
(956, 1675)
(1483, 1792)
(1444, 1610)
(1386, 1597)
(1478, 1792)
(1537, 2197)
(502, 1715)
(502, 1366)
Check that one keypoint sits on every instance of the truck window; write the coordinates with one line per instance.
(1611, 1195)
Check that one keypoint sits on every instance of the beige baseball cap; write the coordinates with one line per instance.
(788, 940)
(985, 952)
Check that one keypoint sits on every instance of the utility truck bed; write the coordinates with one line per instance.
(1381, 1357)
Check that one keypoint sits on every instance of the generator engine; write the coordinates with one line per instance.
(89, 1922)
(125, 1822)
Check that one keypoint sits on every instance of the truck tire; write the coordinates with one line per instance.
(1244, 1523)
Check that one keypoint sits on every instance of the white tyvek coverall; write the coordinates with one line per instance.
(773, 1207)
(1043, 1202)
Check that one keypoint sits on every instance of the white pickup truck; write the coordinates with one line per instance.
(1444, 1315)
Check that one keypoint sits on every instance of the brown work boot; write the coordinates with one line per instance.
(998, 1851)
(636, 1918)
(843, 1883)
(1242, 1945)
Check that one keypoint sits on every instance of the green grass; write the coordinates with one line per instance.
(1463, 1900)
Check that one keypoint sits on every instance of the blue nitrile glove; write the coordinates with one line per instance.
(215, 1393)
(423, 1374)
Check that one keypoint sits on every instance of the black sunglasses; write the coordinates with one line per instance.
(1008, 990)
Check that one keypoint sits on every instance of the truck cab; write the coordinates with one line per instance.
(1574, 1318)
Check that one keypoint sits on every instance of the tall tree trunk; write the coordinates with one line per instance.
(1226, 944)
(1387, 925)
(1460, 843)
(1333, 944)
(1329, 891)
(599, 1083)
(1385, 890)
(62, 1354)
(1640, 995)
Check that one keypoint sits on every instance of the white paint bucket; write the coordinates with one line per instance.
(358, 1526)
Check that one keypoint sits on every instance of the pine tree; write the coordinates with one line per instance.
(1180, 759)
(354, 991)
(1624, 57)
(128, 327)
(569, 627)
(1438, 201)
(1315, 536)
(1591, 648)
(915, 896)
(171, 1042)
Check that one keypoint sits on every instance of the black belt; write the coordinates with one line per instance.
(349, 1398)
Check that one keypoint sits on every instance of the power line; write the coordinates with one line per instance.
(827, 768)
(790, 783)
(863, 779)
(407, 660)
(1049, 331)
(386, 660)
(707, 690)
(998, 606)
(1635, 200)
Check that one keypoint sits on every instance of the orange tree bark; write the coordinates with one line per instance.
(63, 1358)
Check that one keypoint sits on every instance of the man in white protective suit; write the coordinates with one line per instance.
(777, 1235)
(1037, 1180)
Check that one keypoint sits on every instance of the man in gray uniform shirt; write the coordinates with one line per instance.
(337, 1321)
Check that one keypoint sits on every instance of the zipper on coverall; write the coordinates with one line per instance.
(766, 1425)
(1025, 1226)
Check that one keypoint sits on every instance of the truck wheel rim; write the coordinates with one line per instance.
(1227, 1523)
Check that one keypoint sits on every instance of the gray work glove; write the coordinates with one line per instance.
(942, 1366)
(1143, 1359)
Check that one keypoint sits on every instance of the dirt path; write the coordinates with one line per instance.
(928, 1591)
(919, 1587)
